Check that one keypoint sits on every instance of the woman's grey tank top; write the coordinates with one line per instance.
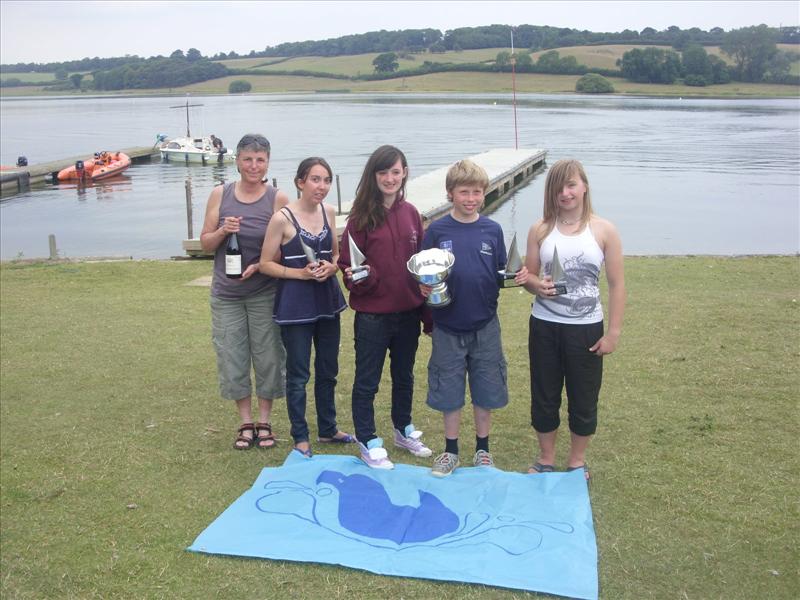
(255, 217)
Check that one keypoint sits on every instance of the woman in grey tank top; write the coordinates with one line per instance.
(243, 332)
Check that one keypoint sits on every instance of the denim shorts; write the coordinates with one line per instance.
(478, 355)
(245, 337)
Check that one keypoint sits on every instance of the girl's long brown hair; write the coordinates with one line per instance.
(368, 211)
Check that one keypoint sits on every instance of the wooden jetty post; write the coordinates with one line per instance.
(51, 240)
(338, 196)
(189, 223)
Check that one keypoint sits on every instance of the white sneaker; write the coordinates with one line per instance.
(375, 455)
(411, 441)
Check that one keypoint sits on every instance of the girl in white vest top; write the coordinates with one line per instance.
(567, 341)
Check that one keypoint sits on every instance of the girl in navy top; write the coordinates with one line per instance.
(309, 300)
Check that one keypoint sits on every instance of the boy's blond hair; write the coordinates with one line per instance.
(465, 172)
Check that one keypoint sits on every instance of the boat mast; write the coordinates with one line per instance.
(188, 135)
(514, 89)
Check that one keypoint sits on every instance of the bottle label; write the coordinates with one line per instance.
(233, 264)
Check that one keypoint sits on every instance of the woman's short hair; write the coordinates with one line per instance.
(254, 142)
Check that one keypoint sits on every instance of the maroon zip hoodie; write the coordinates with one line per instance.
(389, 287)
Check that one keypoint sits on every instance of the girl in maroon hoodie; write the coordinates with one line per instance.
(388, 304)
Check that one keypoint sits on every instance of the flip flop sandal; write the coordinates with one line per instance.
(585, 468)
(345, 439)
(265, 442)
(241, 438)
(540, 468)
(306, 453)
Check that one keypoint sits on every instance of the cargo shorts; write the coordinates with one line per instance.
(244, 337)
(477, 355)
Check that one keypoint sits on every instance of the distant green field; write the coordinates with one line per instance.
(359, 64)
(4, 75)
(246, 63)
(599, 57)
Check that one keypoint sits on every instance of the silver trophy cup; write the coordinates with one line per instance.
(431, 267)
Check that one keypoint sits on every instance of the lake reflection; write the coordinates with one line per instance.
(676, 176)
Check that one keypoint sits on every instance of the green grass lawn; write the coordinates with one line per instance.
(115, 448)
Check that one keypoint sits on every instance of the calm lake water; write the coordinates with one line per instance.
(675, 176)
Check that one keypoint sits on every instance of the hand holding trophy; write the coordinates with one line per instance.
(557, 274)
(311, 257)
(431, 267)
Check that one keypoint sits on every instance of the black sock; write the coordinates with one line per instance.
(451, 446)
(482, 443)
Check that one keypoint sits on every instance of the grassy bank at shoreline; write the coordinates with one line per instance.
(500, 83)
(115, 449)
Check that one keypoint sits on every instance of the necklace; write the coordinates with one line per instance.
(565, 222)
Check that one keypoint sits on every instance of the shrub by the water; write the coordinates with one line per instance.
(695, 80)
(239, 86)
(592, 83)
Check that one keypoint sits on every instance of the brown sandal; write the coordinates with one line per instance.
(240, 437)
(264, 441)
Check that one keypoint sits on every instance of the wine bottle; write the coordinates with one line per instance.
(233, 257)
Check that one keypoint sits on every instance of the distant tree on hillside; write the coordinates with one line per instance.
(177, 54)
(76, 79)
(779, 67)
(551, 62)
(193, 54)
(720, 73)
(385, 63)
(651, 65)
(697, 65)
(523, 60)
(751, 48)
(158, 73)
(503, 58)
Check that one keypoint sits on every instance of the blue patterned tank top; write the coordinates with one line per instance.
(304, 301)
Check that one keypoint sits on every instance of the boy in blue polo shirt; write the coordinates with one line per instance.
(466, 332)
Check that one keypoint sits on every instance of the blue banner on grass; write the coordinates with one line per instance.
(479, 525)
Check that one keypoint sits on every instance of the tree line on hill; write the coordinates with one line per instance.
(753, 50)
(534, 37)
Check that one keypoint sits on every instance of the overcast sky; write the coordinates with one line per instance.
(59, 31)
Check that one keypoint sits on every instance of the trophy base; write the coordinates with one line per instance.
(438, 303)
(439, 296)
(359, 273)
(506, 280)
